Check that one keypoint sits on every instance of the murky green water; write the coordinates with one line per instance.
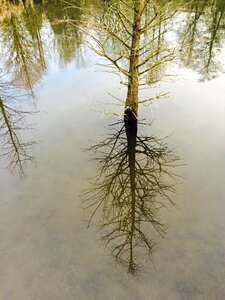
(46, 249)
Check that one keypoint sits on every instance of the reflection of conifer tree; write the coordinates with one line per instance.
(135, 179)
(125, 34)
(134, 183)
(12, 125)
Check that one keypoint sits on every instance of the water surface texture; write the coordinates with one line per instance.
(92, 207)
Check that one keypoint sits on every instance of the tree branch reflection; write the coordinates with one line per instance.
(135, 181)
(24, 55)
(14, 146)
(202, 37)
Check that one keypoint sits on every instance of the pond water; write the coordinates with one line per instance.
(58, 102)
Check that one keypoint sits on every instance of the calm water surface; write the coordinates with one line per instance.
(46, 249)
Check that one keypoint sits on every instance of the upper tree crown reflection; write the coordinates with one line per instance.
(135, 180)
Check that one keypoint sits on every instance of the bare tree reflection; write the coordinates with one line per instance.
(14, 146)
(135, 181)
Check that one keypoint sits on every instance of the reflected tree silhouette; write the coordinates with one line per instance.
(136, 177)
(14, 146)
(23, 50)
(129, 36)
(110, 24)
(135, 181)
(201, 37)
(67, 39)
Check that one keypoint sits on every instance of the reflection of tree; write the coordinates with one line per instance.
(130, 36)
(33, 22)
(8, 4)
(202, 35)
(111, 23)
(67, 39)
(12, 125)
(134, 183)
(135, 178)
(24, 56)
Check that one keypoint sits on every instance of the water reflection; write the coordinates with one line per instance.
(27, 50)
(15, 147)
(67, 38)
(136, 171)
(133, 43)
(135, 181)
(135, 177)
(23, 49)
(202, 36)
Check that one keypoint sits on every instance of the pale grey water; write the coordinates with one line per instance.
(46, 251)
